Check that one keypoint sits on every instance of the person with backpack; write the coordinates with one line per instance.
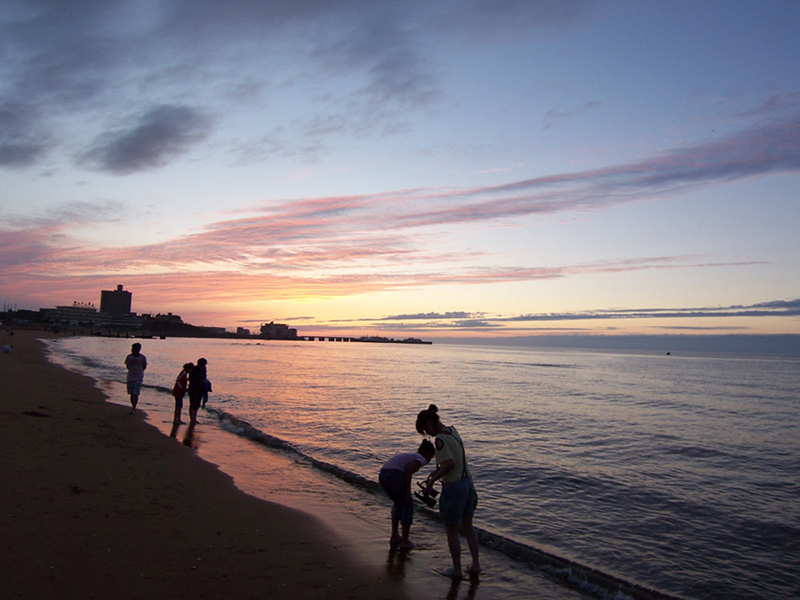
(197, 388)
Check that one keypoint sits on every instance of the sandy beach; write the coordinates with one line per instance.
(98, 504)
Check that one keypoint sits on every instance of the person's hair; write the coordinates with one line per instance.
(136, 346)
(202, 361)
(188, 366)
(430, 414)
(426, 448)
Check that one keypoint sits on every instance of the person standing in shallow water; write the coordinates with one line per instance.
(395, 479)
(179, 390)
(459, 499)
(136, 363)
(197, 388)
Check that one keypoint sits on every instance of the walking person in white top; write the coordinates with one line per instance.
(136, 362)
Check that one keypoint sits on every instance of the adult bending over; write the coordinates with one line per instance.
(459, 499)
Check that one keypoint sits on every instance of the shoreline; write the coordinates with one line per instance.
(101, 503)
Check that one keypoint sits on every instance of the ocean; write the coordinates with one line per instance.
(599, 474)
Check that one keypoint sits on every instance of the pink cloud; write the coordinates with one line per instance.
(231, 287)
(341, 245)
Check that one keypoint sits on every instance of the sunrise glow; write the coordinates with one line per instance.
(456, 169)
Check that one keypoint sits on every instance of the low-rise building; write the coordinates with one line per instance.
(278, 331)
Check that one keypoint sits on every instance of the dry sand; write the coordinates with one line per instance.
(96, 503)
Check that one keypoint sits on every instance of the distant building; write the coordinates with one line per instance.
(277, 331)
(242, 332)
(78, 314)
(168, 318)
(116, 303)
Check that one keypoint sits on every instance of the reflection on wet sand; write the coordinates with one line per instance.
(455, 585)
(398, 560)
(190, 439)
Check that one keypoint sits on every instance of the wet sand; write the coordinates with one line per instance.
(98, 503)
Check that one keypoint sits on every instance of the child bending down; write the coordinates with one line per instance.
(395, 479)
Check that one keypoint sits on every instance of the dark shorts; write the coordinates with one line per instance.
(195, 397)
(458, 501)
(393, 483)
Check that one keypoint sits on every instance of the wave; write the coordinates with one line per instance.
(244, 429)
(567, 571)
(71, 359)
(534, 365)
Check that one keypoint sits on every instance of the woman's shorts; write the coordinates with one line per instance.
(195, 397)
(458, 501)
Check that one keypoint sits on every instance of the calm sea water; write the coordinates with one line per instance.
(676, 473)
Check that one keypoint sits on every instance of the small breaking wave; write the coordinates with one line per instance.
(244, 429)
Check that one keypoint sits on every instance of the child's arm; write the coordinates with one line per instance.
(411, 468)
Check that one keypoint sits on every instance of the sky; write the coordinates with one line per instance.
(484, 168)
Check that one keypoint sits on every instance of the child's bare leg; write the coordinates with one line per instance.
(395, 539)
(406, 543)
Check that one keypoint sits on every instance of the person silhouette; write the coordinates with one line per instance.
(459, 499)
(179, 390)
(395, 479)
(197, 388)
(136, 363)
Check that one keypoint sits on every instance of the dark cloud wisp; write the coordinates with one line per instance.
(19, 145)
(150, 141)
(456, 319)
(788, 308)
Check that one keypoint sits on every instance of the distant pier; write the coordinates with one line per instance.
(372, 340)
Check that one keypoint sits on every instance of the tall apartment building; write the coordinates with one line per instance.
(115, 302)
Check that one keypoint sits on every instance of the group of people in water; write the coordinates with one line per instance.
(458, 498)
(193, 379)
